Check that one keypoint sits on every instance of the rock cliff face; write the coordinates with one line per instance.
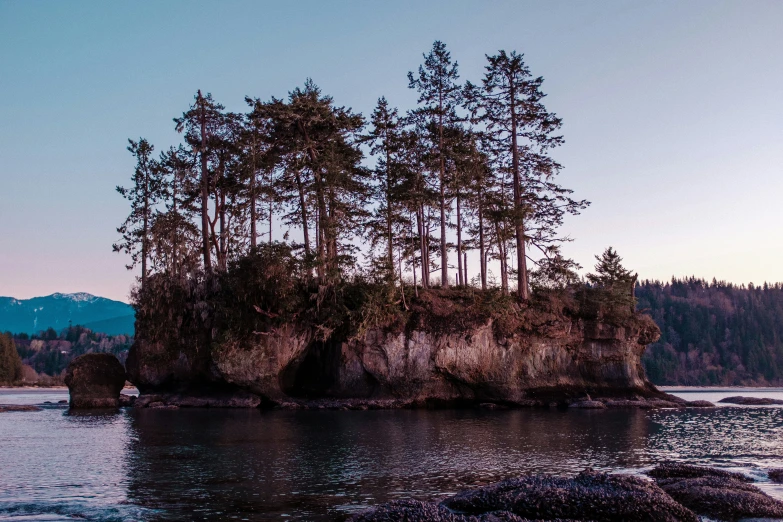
(414, 366)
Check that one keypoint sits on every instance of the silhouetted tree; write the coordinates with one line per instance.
(142, 196)
(439, 98)
(509, 104)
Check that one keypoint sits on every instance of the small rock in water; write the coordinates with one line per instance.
(699, 404)
(666, 470)
(588, 405)
(95, 380)
(63, 401)
(18, 407)
(751, 401)
(492, 406)
(776, 475)
(127, 400)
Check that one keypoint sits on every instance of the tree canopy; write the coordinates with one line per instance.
(395, 196)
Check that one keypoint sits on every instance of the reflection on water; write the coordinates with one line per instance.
(321, 465)
(316, 463)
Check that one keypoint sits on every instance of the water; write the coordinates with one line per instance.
(325, 465)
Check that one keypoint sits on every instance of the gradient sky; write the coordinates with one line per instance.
(673, 114)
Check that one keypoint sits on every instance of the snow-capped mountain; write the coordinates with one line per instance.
(59, 310)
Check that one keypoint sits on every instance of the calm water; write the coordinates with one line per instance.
(321, 465)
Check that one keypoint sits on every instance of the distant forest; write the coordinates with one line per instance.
(714, 333)
(43, 357)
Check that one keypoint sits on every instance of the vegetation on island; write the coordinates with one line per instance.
(468, 169)
(300, 211)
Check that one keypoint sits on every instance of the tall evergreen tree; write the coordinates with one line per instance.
(385, 142)
(319, 140)
(10, 363)
(143, 196)
(174, 234)
(439, 98)
(201, 125)
(510, 105)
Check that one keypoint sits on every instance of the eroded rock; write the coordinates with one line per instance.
(18, 407)
(699, 404)
(776, 475)
(418, 511)
(588, 405)
(95, 380)
(667, 470)
(751, 401)
(589, 496)
(126, 400)
(716, 493)
(236, 399)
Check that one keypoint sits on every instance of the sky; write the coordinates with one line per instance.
(673, 114)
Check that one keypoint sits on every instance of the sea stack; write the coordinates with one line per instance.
(95, 380)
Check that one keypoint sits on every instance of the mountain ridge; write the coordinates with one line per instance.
(59, 310)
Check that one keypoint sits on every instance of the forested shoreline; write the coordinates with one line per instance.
(714, 333)
(42, 358)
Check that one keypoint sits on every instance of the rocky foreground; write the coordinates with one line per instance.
(677, 493)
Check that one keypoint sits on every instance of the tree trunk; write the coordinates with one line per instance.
(303, 206)
(174, 238)
(323, 232)
(465, 267)
(503, 260)
(389, 211)
(145, 227)
(223, 244)
(204, 188)
(420, 225)
(444, 254)
(482, 254)
(519, 225)
(253, 219)
(413, 256)
(460, 280)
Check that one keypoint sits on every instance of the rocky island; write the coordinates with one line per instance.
(450, 347)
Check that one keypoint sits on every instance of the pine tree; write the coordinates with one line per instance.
(386, 142)
(613, 278)
(319, 143)
(201, 125)
(174, 235)
(509, 104)
(10, 363)
(143, 196)
(439, 98)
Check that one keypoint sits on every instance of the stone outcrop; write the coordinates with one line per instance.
(411, 366)
(715, 493)
(680, 493)
(751, 401)
(18, 407)
(95, 380)
(588, 496)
